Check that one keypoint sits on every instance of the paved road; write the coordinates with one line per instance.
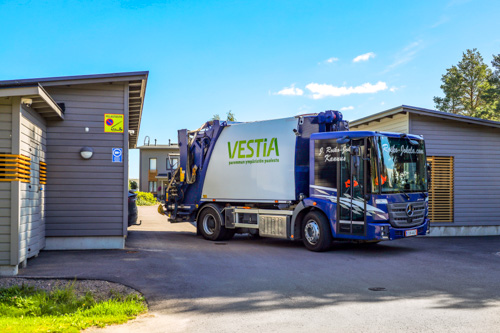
(266, 285)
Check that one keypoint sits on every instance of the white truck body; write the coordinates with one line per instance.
(253, 162)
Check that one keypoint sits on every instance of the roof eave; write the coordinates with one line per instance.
(423, 112)
(47, 107)
(76, 79)
(136, 120)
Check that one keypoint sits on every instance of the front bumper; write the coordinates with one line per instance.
(385, 231)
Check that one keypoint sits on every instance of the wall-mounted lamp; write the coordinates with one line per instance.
(27, 101)
(86, 153)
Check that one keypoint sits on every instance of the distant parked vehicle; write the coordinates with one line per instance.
(132, 208)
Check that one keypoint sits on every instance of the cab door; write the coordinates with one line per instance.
(351, 203)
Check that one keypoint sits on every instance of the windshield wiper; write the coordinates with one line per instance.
(406, 194)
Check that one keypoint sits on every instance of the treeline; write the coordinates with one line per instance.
(471, 88)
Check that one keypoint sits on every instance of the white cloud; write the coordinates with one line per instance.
(328, 61)
(442, 20)
(323, 90)
(347, 108)
(364, 57)
(304, 109)
(393, 89)
(290, 91)
(405, 55)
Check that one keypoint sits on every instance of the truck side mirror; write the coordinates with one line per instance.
(342, 140)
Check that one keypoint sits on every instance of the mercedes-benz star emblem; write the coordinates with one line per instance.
(409, 210)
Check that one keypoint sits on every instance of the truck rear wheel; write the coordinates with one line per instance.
(211, 227)
(316, 232)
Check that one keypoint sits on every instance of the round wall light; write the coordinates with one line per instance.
(86, 153)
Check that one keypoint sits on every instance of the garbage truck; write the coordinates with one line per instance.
(303, 178)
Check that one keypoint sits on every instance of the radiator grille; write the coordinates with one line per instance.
(399, 218)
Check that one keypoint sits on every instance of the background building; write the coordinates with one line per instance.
(64, 162)
(464, 154)
(157, 165)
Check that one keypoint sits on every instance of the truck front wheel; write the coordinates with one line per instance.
(316, 233)
(210, 225)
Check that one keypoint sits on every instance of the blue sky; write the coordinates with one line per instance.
(260, 59)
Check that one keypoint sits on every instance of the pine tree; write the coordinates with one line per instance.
(465, 87)
(492, 95)
(230, 116)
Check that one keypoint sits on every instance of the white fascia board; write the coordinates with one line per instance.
(50, 102)
(22, 91)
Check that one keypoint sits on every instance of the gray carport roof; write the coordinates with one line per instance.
(137, 82)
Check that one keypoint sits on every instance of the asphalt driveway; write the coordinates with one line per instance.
(248, 285)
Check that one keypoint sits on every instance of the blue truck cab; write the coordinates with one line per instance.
(372, 186)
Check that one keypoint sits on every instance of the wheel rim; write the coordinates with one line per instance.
(311, 232)
(209, 224)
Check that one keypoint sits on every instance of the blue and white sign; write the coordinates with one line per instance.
(117, 155)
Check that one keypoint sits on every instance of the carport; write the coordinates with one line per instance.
(64, 162)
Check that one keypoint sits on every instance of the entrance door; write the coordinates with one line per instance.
(351, 204)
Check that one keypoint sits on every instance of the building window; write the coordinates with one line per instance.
(152, 164)
(172, 162)
(152, 186)
(441, 188)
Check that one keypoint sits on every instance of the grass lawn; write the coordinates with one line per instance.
(25, 309)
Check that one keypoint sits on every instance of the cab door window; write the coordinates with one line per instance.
(326, 156)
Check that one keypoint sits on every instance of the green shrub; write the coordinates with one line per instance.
(146, 199)
(132, 185)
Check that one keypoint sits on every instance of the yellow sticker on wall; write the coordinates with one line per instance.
(113, 123)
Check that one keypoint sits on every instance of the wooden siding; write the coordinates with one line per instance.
(85, 197)
(398, 123)
(32, 219)
(5, 202)
(476, 160)
(441, 189)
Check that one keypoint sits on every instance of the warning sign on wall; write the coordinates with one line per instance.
(113, 123)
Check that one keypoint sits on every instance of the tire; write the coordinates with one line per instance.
(316, 232)
(210, 224)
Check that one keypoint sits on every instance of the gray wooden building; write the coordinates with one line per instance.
(157, 165)
(464, 196)
(64, 162)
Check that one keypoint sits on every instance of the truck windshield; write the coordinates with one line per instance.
(402, 165)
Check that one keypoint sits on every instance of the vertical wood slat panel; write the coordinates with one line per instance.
(441, 189)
